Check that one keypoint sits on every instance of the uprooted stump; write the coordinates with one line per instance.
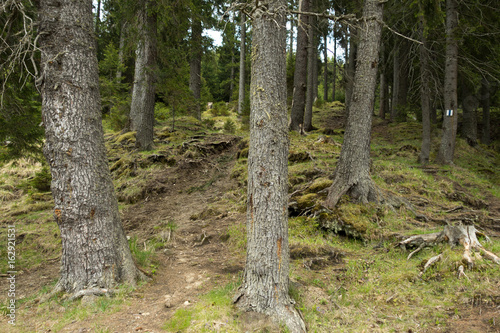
(465, 235)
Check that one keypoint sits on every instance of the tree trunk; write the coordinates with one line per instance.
(447, 148)
(352, 175)
(425, 93)
(195, 64)
(310, 78)
(290, 48)
(383, 84)
(95, 251)
(334, 81)
(485, 103)
(241, 91)
(143, 94)
(351, 68)
(325, 68)
(266, 278)
(300, 75)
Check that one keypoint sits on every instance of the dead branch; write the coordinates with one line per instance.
(430, 262)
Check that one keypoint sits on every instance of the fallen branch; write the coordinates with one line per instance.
(430, 262)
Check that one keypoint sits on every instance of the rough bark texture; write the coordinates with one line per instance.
(447, 147)
(95, 250)
(266, 277)
(425, 151)
(485, 103)
(195, 64)
(143, 94)
(310, 78)
(241, 92)
(351, 68)
(352, 175)
(300, 75)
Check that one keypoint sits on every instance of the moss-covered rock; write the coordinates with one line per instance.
(319, 184)
(307, 200)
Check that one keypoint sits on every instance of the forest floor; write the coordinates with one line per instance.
(183, 206)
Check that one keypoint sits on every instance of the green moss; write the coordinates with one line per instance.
(319, 184)
(129, 136)
(307, 200)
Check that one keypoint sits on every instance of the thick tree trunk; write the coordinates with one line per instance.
(266, 278)
(351, 68)
(447, 147)
(310, 78)
(143, 94)
(485, 103)
(325, 69)
(425, 151)
(95, 250)
(352, 175)
(300, 75)
(241, 91)
(195, 64)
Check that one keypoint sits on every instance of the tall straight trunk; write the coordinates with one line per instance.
(121, 47)
(95, 251)
(395, 81)
(425, 92)
(315, 64)
(450, 121)
(143, 93)
(290, 47)
(98, 17)
(266, 278)
(485, 103)
(352, 175)
(300, 75)
(334, 81)
(325, 69)
(231, 77)
(195, 64)
(404, 79)
(241, 91)
(383, 84)
(310, 78)
(351, 68)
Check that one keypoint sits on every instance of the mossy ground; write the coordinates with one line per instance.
(341, 283)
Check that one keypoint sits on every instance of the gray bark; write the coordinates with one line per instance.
(310, 78)
(143, 94)
(266, 278)
(351, 68)
(425, 93)
(241, 91)
(300, 75)
(195, 64)
(352, 175)
(95, 250)
(121, 47)
(447, 147)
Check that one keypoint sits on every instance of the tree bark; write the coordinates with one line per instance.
(195, 64)
(121, 47)
(310, 78)
(143, 94)
(334, 81)
(447, 147)
(95, 251)
(351, 68)
(425, 92)
(352, 175)
(485, 103)
(241, 91)
(300, 75)
(266, 277)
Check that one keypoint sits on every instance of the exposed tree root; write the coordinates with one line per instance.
(454, 235)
